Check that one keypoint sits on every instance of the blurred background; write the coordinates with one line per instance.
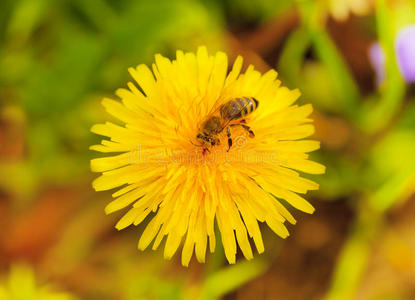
(354, 60)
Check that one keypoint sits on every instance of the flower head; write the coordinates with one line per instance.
(377, 60)
(405, 56)
(183, 184)
(405, 52)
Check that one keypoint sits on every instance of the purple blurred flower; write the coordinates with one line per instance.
(405, 50)
(377, 60)
(405, 54)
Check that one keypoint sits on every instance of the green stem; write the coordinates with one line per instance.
(355, 255)
(348, 95)
(292, 56)
(378, 115)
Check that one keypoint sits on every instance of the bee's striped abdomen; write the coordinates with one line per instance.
(238, 108)
(250, 105)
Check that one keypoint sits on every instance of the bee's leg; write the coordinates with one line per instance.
(247, 128)
(228, 133)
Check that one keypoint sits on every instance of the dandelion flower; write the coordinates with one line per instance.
(185, 187)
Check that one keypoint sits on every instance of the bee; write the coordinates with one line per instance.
(223, 117)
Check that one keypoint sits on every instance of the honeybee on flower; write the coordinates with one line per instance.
(227, 115)
(189, 177)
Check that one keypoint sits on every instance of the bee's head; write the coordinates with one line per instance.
(207, 139)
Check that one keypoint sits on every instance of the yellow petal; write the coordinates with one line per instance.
(109, 163)
(145, 79)
(306, 166)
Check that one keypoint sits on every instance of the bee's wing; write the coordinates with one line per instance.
(216, 106)
(246, 103)
(213, 110)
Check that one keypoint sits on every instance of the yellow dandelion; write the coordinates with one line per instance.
(176, 163)
(21, 283)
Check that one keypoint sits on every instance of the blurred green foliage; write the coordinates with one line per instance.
(21, 285)
(57, 55)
